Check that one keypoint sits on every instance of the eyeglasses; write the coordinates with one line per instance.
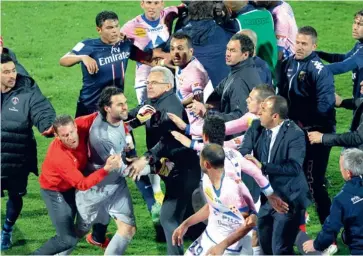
(154, 83)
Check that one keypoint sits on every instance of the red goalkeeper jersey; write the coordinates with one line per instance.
(62, 166)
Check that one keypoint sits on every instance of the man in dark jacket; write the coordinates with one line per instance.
(351, 61)
(184, 178)
(209, 40)
(353, 138)
(278, 147)
(22, 106)
(232, 92)
(308, 87)
(346, 210)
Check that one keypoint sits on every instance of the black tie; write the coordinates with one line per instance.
(266, 146)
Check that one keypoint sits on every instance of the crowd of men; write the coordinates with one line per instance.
(240, 121)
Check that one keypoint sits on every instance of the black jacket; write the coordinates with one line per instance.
(308, 87)
(233, 91)
(209, 44)
(21, 108)
(285, 169)
(354, 138)
(159, 141)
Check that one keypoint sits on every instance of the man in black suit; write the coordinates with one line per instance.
(278, 145)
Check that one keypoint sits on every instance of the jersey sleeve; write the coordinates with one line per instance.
(234, 143)
(247, 198)
(84, 123)
(82, 48)
(281, 31)
(197, 146)
(252, 170)
(133, 32)
(238, 125)
(68, 171)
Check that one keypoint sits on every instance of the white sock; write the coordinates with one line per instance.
(155, 182)
(117, 245)
(257, 250)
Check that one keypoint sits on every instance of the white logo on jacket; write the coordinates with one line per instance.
(356, 199)
(318, 65)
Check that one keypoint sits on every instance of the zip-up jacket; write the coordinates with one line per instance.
(346, 211)
(308, 87)
(351, 61)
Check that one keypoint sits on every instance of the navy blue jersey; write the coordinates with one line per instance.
(351, 61)
(112, 63)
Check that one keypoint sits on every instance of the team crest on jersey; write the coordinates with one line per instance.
(140, 32)
(196, 84)
(302, 75)
(233, 209)
(237, 141)
(15, 100)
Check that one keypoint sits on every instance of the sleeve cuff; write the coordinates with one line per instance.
(267, 190)
(192, 144)
(187, 129)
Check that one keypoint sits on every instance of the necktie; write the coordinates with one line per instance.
(266, 146)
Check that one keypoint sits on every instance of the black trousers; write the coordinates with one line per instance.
(61, 210)
(316, 163)
(177, 205)
(277, 232)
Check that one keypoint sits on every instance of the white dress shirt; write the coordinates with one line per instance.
(275, 131)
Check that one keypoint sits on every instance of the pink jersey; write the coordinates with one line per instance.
(232, 127)
(226, 206)
(234, 143)
(147, 35)
(285, 28)
(241, 124)
(191, 81)
(235, 163)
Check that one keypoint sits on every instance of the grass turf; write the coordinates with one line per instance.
(41, 32)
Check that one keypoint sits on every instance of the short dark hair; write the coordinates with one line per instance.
(358, 13)
(105, 15)
(264, 91)
(215, 128)
(105, 98)
(214, 155)
(246, 43)
(279, 106)
(200, 10)
(183, 36)
(62, 120)
(309, 31)
(5, 58)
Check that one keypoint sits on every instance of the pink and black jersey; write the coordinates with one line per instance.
(285, 28)
(147, 35)
(191, 81)
(226, 206)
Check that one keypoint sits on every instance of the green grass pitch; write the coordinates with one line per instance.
(41, 32)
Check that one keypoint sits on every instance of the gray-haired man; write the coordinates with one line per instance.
(184, 178)
(346, 210)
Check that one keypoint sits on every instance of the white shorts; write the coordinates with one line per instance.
(96, 205)
(203, 243)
